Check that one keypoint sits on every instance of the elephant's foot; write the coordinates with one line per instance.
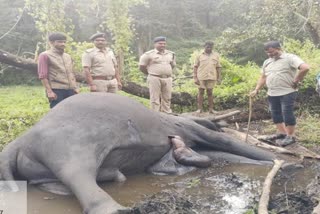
(186, 156)
(113, 208)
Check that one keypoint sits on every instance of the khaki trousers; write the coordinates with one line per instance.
(110, 86)
(160, 93)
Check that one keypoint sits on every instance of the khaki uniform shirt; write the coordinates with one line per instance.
(158, 63)
(100, 62)
(280, 73)
(207, 66)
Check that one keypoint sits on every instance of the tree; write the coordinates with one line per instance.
(50, 16)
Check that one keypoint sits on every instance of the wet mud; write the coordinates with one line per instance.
(221, 189)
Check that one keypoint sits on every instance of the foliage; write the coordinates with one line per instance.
(20, 108)
(310, 54)
(308, 130)
(119, 22)
(50, 16)
(267, 20)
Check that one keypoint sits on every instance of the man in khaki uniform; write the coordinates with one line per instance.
(158, 65)
(100, 66)
(282, 73)
(55, 70)
(206, 73)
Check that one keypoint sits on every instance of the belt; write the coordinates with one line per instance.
(160, 76)
(103, 77)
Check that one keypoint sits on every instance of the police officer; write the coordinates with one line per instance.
(206, 74)
(100, 66)
(158, 65)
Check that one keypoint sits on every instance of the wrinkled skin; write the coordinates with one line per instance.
(104, 137)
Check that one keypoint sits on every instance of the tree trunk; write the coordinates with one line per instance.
(314, 34)
(182, 98)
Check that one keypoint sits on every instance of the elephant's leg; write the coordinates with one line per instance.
(186, 156)
(92, 198)
(107, 174)
(6, 173)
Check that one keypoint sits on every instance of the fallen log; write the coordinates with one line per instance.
(296, 150)
(265, 195)
(255, 142)
(223, 116)
(210, 117)
(183, 98)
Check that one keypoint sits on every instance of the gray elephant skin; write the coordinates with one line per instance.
(96, 137)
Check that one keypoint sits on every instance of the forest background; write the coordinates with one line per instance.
(238, 29)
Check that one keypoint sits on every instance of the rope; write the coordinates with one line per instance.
(249, 119)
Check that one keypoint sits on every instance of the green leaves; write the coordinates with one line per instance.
(20, 108)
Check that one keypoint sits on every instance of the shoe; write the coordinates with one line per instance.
(287, 141)
(275, 137)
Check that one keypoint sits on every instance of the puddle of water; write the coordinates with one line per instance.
(226, 190)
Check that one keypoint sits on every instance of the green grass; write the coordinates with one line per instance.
(20, 108)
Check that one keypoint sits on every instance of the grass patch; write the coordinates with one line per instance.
(308, 128)
(20, 108)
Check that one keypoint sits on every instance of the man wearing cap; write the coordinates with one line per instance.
(55, 70)
(100, 66)
(158, 65)
(206, 73)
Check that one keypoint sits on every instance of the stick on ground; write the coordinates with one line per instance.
(265, 195)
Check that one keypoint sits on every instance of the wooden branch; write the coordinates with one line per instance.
(265, 195)
(255, 142)
(183, 98)
(16, 61)
(223, 116)
(300, 151)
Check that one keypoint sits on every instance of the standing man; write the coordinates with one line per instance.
(282, 73)
(206, 74)
(55, 70)
(100, 66)
(158, 65)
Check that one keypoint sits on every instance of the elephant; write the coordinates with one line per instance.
(97, 137)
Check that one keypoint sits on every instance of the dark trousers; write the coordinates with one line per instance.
(61, 95)
(281, 108)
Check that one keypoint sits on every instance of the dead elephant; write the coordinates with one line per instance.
(104, 137)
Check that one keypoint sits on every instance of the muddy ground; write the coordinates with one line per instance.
(287, 197)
